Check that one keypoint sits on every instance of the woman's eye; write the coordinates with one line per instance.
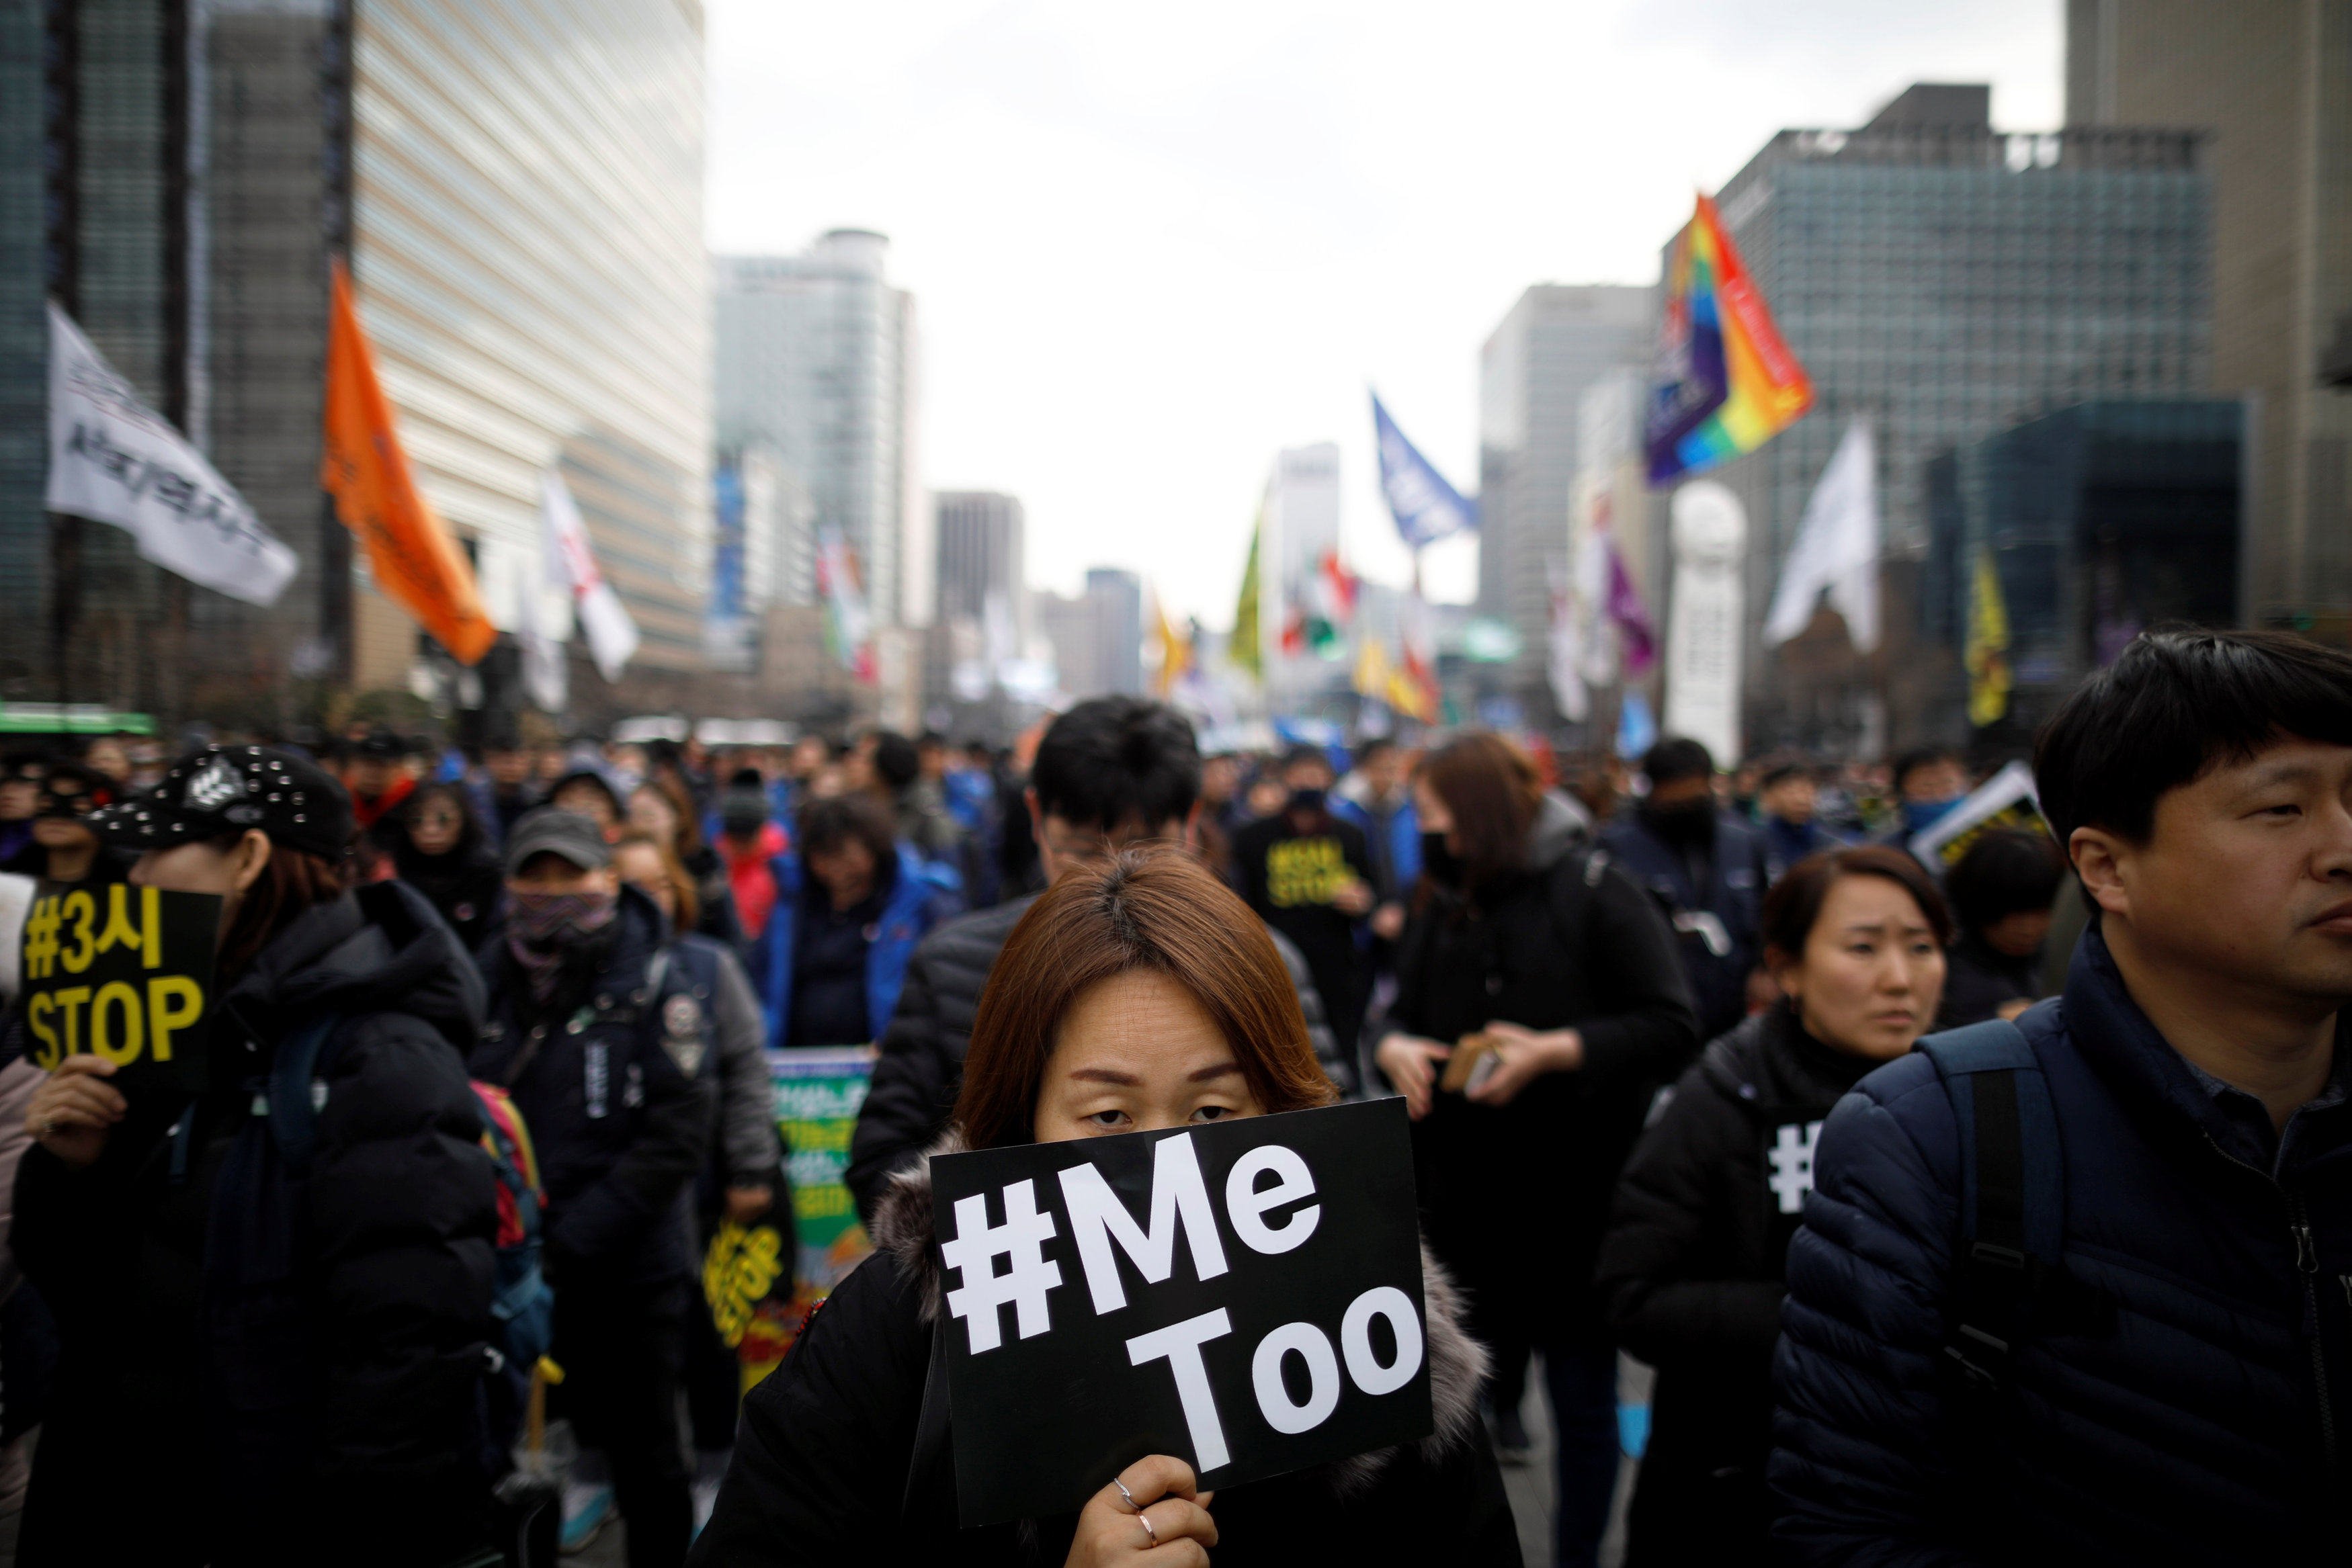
(1212, 1113)
(1107, 1118)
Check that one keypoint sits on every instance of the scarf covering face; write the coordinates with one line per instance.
(544, 927)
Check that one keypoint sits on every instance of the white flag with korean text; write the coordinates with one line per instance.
(114, 460)
(612, 635)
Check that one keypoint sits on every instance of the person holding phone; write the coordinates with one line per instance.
(1136, 994)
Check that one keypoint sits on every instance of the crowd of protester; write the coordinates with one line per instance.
(1656, 1025)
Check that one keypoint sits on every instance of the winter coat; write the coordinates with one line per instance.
(2183, 1386)
(1690, 1273)
(1393, 831)
(466, 886)
(185, 1428)
(921, 1069)
(922, 896)
(1715, 900)
(827, 1468)
(747, 1148)
(1515, 1196)
(1979, 980)
(620, 1114)
(714, 896)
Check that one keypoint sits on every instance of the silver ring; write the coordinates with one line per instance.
(1144, 1519)
(1132, 1503)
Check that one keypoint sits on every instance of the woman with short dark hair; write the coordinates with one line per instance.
(1136, 994)
(444, 852)
(1691, 1267)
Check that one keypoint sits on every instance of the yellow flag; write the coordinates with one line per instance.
(1175, 648)
(1245, 651)
(409, 549)
(1987, 654)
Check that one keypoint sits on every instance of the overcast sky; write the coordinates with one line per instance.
(1152, 245)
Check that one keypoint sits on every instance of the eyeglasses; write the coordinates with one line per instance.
(66, 803)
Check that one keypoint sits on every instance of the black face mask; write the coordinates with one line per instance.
(1307, 802)
(1683, 823)
(1440, 864)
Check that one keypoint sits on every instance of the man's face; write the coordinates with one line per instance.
(544, 876)
(2245, 877)
(506, 768)
(1790, 799)
(933, 760)
(1307, 776)
(1385, 771)
(1682, 792)
(1942, 779)
(371, 776)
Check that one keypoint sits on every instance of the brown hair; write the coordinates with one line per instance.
(293, 881)
(1494, 791)
(1795, 901)
(681, 883)
(681, 804)
(1150, 908)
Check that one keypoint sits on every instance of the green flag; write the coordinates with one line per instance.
(1247, 651)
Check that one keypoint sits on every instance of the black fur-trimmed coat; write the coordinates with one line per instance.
(823, 1460)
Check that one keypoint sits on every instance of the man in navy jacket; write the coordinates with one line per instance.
(2177, 1383)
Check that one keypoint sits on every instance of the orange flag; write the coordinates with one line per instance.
(409, 549)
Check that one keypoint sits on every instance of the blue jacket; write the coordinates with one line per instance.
(1396, 844)
(925, 894)
(2172, 1401)
(1720, 909)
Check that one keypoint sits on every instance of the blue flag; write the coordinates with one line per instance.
(1425, 507)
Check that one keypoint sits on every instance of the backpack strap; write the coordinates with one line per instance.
(302, 1057)
(2012, 1223)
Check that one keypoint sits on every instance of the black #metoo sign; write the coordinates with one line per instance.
(1246, 1295)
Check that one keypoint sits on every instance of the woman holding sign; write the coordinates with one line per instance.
(1137, 994)
(273, 1325)
(1692, 1266)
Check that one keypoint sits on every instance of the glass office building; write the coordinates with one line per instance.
(2099, 521)
(518, 187)
(816, 360)
(1943, 281)
(527, 242)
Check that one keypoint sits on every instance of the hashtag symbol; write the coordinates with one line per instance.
(41, 938)
(1028, 1272)
(1793, 1163)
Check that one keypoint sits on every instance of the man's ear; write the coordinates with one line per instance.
(1189, 834)
(2100, 859)
(1037, 832)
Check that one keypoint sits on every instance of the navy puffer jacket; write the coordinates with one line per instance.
(2188, 1405)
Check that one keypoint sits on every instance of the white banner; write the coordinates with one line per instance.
(612, 635)
(114, 460)
(1710, 530)
(1836, 549)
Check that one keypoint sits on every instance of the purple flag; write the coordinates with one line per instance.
(1633, 617)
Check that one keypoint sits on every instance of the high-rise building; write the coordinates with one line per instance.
(982, 553)
(816, 360)
(2271, 81)
(1557, 343)
(1945, 281)
(519, 192)
(1097, 637)
(1301, 523)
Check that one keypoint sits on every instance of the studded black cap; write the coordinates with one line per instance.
(228, 789)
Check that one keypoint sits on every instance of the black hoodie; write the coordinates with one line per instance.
(375, 1454)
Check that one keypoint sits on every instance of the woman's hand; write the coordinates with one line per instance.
(1410, 1063)
(1167, 1523)
(1522, 1055)
(746, 1204)
(75, 1108)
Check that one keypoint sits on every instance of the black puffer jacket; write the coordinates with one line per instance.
(621, 1129)
(1690, 1272)
(921, 1069)
(1515, 1196)
(370, 1450)
(826, 1464)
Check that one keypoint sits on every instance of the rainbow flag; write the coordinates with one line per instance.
(1727, 383)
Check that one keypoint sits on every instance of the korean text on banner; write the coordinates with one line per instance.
(409, 549)
(114, 460)
(819, 1092)
(124, 973)
(1246, 1295)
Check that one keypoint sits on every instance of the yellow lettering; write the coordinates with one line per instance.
(124, 1052)
(123, 930)
(81, 909)
(173, 1003)
(70, 1000)
(37, 1009)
